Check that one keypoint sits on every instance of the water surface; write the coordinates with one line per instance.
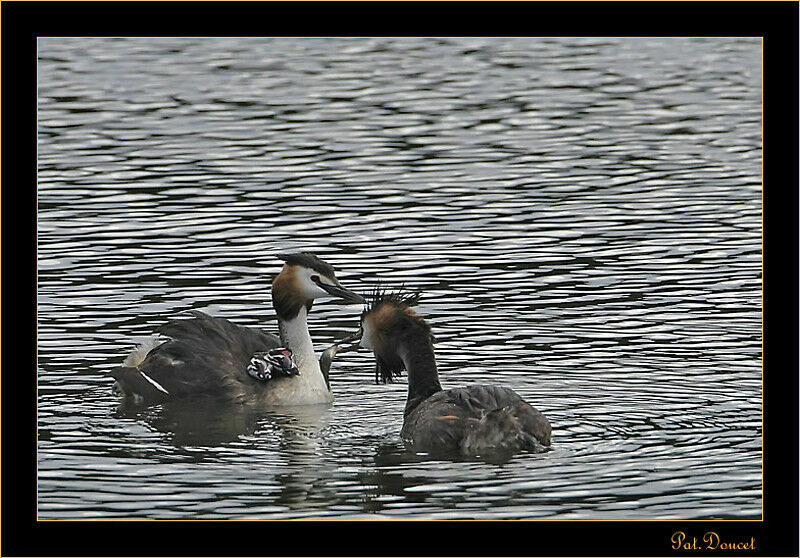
(583, 216)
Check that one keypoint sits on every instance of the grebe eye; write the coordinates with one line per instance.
(315, 278)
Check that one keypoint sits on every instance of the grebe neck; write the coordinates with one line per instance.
(423, 377)
(295, 337)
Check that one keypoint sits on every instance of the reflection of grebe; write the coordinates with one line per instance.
(207, 356)
(471, 420)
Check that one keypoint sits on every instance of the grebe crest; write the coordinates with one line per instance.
(387, 324)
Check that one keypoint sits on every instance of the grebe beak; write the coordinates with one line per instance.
(339, 346)
(327, 355)
(355, 338)
(340, 292)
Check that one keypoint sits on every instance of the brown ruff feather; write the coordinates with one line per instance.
(286, 296)
(389, 318)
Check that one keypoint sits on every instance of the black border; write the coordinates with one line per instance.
(22, 22)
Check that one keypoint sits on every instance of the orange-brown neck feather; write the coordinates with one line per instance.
(399, 334)
(287, 297)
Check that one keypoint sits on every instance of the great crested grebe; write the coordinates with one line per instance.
(470, 420)
(212, 357)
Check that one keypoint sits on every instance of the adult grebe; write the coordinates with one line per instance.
(471, 420)
(210, 357)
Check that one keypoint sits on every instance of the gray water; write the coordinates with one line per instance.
(583, 216)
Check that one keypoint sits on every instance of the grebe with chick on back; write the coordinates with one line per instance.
(205, 356)
(470, 420)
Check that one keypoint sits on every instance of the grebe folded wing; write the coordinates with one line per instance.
(473, 419)
(202, 356)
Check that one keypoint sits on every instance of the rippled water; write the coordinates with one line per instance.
(584, 217)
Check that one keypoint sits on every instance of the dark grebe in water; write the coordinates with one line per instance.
(212, 357)
(471, 420)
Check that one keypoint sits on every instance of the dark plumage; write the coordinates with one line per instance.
(399, 298)
(309, 260)
(478, 419)
(474, 420)
(203, 357)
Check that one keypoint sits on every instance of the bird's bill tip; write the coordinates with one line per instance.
(347, 295)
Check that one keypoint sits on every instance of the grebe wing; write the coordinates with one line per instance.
(476, 418)
(505, 419)
(438, 423)
(203, 356)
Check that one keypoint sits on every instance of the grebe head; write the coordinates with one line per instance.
(305, 277)
(389, 326)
